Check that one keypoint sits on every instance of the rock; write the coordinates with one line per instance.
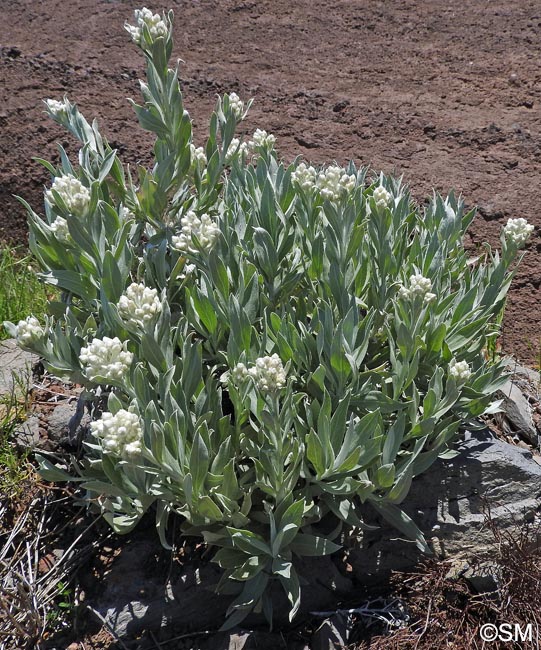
(450, 501)
(146, 592)
(517, 416)
(522, 371)
(240, 641)
(27, 433)
(485, 578)
(15, 368)
(331, 634)
(140, 596)
(67, 421)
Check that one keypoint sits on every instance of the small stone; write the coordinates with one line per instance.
(514, 79)
(239, 641)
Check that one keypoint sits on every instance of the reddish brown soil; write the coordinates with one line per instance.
(447, 94)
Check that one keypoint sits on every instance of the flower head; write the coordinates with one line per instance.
(106, 359)
(419, 287)
(518, 231)
(125, 214)
(204, 228)
(139, 304)
(236, 147)
(459, 370)
(382, 197)
(237, 105)
(156, 26)
(268, 373)
(120, 434)
(74, 194)
(198, 157)
(60, 228)
(333, 182)
(29, 331)
(262, 140)
(56, 108)
(305, 176)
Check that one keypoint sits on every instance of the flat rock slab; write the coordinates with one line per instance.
(146, 591)
(450, 503)
(15, 367)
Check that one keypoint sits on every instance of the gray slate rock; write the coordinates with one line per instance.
(68, 421)
(517, 418)
(27, 433)
(15, 367)
(449, 501)
(139, 595)
(533, 376)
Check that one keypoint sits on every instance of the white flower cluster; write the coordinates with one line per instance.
(57, 108)
(106, 358)
(74, 194)
(139, 304)
(121, 434)
(198, 156)
(125, 214)
(154, 22)
(419, 286)
(29, 330)
(305, 176)
(60, 229)
(236, 104)
(518, 231)
(262, 140)
(204, 228)
(333, 182)
(382, 197)
(268, 373)
(236, 147)
(459, 370)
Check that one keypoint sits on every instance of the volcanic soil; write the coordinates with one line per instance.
(446, 94)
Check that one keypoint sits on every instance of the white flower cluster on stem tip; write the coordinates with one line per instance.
(382, 197)
(237, 105)
(125, 214)
(74, 194)
(305, 176)
(459, 370)
(60, 228)
(268, 373)
(419, 287)
(236, 147)
(204, 228)
(333, 182)
(139, 304)
(56, 107)
(518, 231)
(120, 434)
(29, 330)
(154, 22)
(262, 140)
(106, 359)
(198, 156)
